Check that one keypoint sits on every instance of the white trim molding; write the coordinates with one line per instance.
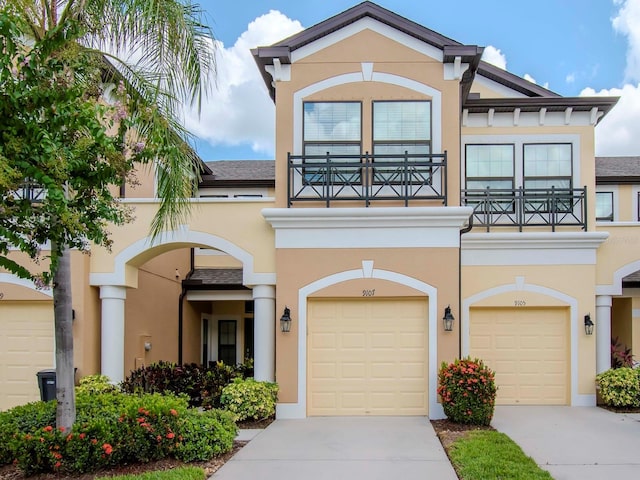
(22, 282)
(183, 237)
(393, 227)
(531, 248)
(575, 329)
(616, 287)
(299, 409)
(367, 23)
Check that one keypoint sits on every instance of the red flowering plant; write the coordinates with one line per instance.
(468, 391)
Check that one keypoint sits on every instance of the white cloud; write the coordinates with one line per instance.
(495, 57)
(617, 133)
(239, 110)
(627, 22)
(570, 78)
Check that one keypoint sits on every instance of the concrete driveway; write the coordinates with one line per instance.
(335, 448)
(581, 443)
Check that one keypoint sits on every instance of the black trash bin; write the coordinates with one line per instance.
(47, 384)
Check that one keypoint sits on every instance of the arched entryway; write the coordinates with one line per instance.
(126, 264)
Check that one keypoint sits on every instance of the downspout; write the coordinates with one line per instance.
(464, 230)
(183, 294)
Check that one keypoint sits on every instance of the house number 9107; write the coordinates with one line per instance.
(368, 293)
(519, 303)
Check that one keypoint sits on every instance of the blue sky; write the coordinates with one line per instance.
(572, 46)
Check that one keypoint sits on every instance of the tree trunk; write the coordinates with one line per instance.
(65, 384)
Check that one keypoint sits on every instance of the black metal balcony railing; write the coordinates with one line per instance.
(367, 178)
(548, 207)
(31, 191)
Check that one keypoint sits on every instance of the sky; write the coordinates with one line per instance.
(573, 47)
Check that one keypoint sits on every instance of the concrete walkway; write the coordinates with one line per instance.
(581, 443)
(335, 448)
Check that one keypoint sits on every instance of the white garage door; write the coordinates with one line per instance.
(367, 357)
(26, 346)
(528, 348)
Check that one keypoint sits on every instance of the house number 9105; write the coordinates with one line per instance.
(519, 303)
(368, 293)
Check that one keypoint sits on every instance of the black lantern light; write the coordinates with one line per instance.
(448, 319)
(285, 320)
(588, 324)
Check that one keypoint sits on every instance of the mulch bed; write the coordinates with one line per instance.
(620, 409)
(448, 431)
(11, 472)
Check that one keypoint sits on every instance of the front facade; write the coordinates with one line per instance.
(411, 179)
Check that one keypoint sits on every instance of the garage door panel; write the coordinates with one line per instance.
(26, 346)
(527, 349)
(380, 357)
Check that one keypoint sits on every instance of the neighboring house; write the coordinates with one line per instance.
(410, 178)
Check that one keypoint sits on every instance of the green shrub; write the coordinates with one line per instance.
(620, 387)
(93, 384)
(112, 429)
(203, 385)
(27, 418)
(205, 435)
(468, 391)
(248, 399)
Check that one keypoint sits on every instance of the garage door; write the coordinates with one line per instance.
(26, 346)
(528, 348)
(367, 357)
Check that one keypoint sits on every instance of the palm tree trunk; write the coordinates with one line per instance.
(65, 393)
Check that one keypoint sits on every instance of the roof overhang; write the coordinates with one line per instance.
(598, 106)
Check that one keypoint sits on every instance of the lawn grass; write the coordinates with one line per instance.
(180, 473)
(487, 454)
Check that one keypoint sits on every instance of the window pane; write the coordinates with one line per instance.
(332, 149)
(401, 148)
(489, 160)
(547, 183)
(331, 121)
(604, 206)
(552, 160)
(347, 174)
(491, 184)
(401, 121)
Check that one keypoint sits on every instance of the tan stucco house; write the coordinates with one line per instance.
(411, 180)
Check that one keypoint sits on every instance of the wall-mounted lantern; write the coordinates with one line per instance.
(588, 324)
(448, 319)
(285, 320)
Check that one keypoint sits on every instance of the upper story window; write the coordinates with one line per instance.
(604, 206)
(333, 128)
(399, 127)
(547, 165)
(489, 167)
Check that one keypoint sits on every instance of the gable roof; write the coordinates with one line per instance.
(616, 170)
(246, 173)
(471, 53)
(282, 50)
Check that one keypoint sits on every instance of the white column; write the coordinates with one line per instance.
(603, 333)
(264, 347)
(112, 335)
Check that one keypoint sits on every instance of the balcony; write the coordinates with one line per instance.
(367, 178)
(551, 208)
(30, 191)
